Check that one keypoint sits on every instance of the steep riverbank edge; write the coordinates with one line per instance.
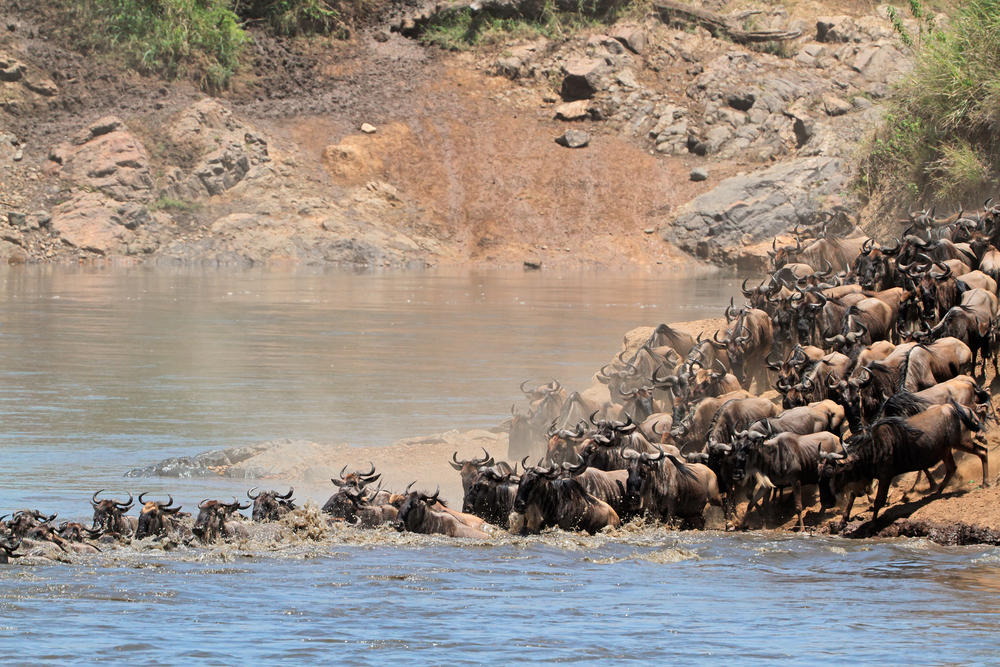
(964, 514)
(383, 152)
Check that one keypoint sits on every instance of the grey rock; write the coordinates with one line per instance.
(583, 78)
(633, 38)
(742, 99)
(42, 218)
(18, 156)
(835, 106)
(699, 174)
(17, 219)
(760, 205)
(573, 139)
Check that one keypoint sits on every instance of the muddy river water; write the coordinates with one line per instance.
(107, 369)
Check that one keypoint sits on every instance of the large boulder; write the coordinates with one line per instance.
(105, 156)
(93, 222)
(751, 209)
(583, 78)
(229, 151)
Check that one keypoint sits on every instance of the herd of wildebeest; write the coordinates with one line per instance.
(872, 350)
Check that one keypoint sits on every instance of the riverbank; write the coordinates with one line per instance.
(381, 151)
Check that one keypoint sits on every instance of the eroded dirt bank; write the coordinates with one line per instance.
(381, 151)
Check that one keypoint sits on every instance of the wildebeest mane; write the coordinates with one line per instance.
(903, 404)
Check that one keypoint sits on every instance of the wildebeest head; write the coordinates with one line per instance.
(357, 478)
(25, 520)
(741, 444)
(270, 505)
(413, 510)
(470, 468)
(784, 254)
(76, 532)
(212, 517)
(7, 550)
(563, 442)
(155, 517)
(108, 514)
(532, 478)
(806, 314)
(830, 464)
(639, 466)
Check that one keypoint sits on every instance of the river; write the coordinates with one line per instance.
(109, 368)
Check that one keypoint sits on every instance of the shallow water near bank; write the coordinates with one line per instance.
(106, 369)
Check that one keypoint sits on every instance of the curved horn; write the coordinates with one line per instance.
(93, 500)
(455, 463)
(288, 495)
(204, 503)
(250, 494)
(746, 293)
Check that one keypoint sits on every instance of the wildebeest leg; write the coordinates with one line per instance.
(950, 467)
(847, 511)
(761, 490)
(984, 456)
(797, 494)
(916, 480)
(881, 496)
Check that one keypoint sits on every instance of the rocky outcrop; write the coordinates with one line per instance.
(93, 222)
(743, 211)
(106, 157)
(207, 464)
(230, 151)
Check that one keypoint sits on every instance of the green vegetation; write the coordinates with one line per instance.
(462, 30)
(174, 205)
(940, 140)
(202, 40)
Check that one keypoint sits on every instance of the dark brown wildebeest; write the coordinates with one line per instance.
(788, 459)
(109, 515)
(270, 505)
(470, 468)
(214, 521)
(814, 386)
(355, 480)
(606, 485)
(691, 430)
(417, 514)
(547, 497)
(7, 550)
(748, 342)
(73, 531)
(24, 521)
(896, 445)
(712, 383)
(971, 322)
(836, 252)
(360, 507)
(668, 489)
(158, 518)
(874, 269)
(639, 404)
(491, 496)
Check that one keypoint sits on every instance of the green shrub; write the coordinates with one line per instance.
(199, 39)
(295, 17)
(461, 30)
(939, 139)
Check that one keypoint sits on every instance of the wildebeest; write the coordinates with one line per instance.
(468, 469)
(109, 515)
(491, 496)
(352, 481)
(361, 508)
(157, 518)
(214, 521)
(547, 497)
(692, 429)
(7, 550)
(788, 459)
(417, 515)
(737, 415)
(668, 489)
(896, 445)
(606, 485)
(270, 505)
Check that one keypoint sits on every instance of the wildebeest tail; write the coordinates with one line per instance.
(904, 404)
(969, 419)
(982, 394)
(682, 467)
